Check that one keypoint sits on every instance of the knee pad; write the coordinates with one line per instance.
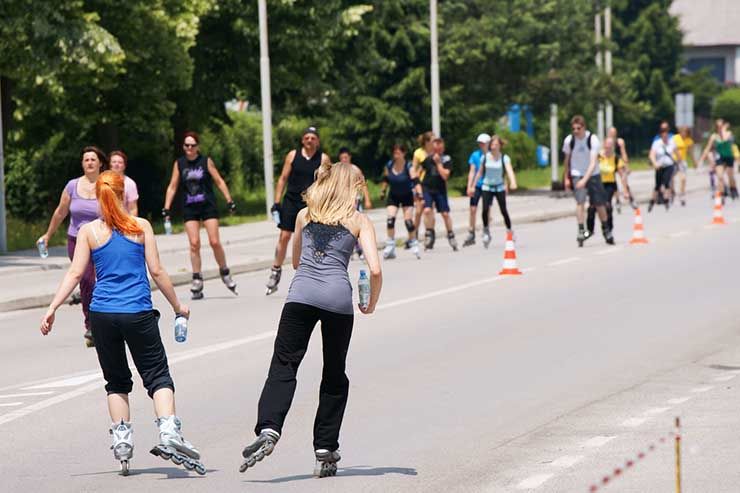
(409, 225)
(391, 222)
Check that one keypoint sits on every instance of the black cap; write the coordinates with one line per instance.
(311, 130)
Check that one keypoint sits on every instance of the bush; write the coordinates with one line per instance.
(727, 106)
(521, 148)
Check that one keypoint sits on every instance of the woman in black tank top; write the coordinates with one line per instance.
(299, 169)
(195, 175)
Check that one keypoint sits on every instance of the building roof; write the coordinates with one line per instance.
(709, 22)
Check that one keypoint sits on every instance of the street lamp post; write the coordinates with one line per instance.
(266, 107)
(436, 126)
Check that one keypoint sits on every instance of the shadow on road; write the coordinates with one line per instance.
(170, 472)
(347, 471)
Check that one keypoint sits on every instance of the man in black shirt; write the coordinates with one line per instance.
(436, 170)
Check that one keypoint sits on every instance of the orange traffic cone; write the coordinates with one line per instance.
(510, 268)
(717, 217)
(638, 233)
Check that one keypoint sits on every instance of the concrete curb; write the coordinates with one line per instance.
(180, 279)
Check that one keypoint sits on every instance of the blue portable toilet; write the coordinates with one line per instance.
(543, 156)
(514, 117)
(529, 119)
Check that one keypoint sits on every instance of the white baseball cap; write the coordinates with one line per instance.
(484, 138)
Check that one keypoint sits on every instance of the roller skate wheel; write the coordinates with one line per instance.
(189, 465)
(200, 469)
(176, 459)
(124, 468)
(243, 467)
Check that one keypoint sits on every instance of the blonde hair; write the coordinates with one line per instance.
(331, 198)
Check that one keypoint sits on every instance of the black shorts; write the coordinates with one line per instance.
(726, 161)
(594, 190)
(610, 188)
(112, 332)
(199, 212)
(663, 177)
(291, 206)
(405, 200)
(476, 197)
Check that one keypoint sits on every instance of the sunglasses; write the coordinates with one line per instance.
(189, 146)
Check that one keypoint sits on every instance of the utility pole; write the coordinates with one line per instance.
(608, 62)
(266, 107)
(599, 65)
(554, 148)
(436, 126)
(3, 226)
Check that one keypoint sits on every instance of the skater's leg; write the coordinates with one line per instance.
(294, 331)
(281, 249)
(146, 348)
(211, 226)
(447, 220)
(501, 199)
(164, 402)
(336, 331)
(111, 350)
(408, 218)
(118, 408)
(591, 218)
(391, 222)
(428, 218)
(487, 202)
(192, 229)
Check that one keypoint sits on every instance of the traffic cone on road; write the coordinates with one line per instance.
(638, 232)
(510, 268)
(718, 217)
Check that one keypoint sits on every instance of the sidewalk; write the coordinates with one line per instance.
(32, 281)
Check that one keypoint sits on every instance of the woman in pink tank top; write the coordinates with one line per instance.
(79, 202)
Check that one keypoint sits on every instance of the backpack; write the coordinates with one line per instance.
(573, 141)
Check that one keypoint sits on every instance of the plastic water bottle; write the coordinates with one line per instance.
(276, 217)
(181, 328)
(363, 287)
(43, 251)
(167, 226)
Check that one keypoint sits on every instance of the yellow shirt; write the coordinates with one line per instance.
(735, 152)
(419, 156)
(682, 146)
(608, 167)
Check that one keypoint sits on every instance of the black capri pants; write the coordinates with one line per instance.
(296, 324)
(663, 177)
(140, 331)
(488, 202)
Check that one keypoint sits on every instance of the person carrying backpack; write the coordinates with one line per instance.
(583, 176)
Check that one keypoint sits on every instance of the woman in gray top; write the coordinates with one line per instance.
(325, 236)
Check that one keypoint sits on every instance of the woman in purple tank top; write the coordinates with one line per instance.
(79, 202)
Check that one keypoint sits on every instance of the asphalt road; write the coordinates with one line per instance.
(461, 381)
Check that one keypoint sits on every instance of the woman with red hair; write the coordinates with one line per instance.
(121, 314)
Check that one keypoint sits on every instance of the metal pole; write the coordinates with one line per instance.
(3, 227)
(554, 154)
(436, 126)
(599, 65)
(608, 62)
(678, 455)
(266, 107)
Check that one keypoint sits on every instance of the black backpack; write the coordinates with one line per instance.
(573, 141)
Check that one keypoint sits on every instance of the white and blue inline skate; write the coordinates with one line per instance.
(172, 446)
(260, 448)
(326, 463)
(123, 444)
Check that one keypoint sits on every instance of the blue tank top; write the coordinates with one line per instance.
(121, 284)
(321, 279)
(400, 184)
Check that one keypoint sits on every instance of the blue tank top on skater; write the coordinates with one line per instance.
(400, 184)
(121, 284)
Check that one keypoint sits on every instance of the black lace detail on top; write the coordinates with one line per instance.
(321, 236)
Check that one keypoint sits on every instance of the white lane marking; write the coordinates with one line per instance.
(607, 251)
(195, 353)
(656, 410)
(26, 394)
(710, 226)
(724, 378)
(10, 404)
(679, 234)
(633, 422)
(564, 261)
(534, 482)
(598, 441)
(567, 461)
(679, 400)
(699, 390)
(67, 382)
